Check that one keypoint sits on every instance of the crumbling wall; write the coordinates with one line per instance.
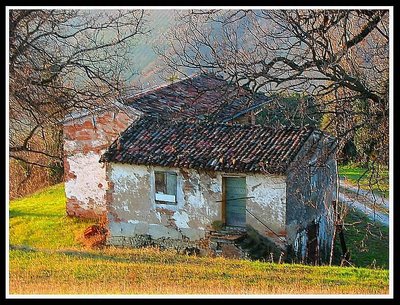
(133, 210)
(309, 217)
(85, 139)
(267, 203)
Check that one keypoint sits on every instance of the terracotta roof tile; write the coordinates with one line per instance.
(218, 146)
(199, 96)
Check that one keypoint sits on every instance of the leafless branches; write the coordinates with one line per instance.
(62, 61)
(339, 57)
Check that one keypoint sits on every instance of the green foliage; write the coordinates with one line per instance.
(56, 172)
(259, 247)
(291, 110)
(217, 225)
(372, 139)
(365, 138)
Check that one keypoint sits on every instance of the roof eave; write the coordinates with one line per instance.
(116, 106)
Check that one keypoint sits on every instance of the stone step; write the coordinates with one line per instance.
(226, 236)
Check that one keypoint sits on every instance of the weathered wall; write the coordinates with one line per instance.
(305, 205)
(85, 139)
(268, 205)
(133, 211)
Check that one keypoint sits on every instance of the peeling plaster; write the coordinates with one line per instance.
(181, 219)
(70, 145)
(215, 187)
(269, 200)
(85, 138)
(133, 198)
(195, 197)
(158, 215)
(126, 177)
(198, 204)
(85, 186)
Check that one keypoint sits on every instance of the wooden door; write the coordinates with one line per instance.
(235, 203)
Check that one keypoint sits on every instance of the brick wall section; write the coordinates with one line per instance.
(85, 139)
(94, 134)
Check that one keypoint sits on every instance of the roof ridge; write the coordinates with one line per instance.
(189, 121)
(156, 87)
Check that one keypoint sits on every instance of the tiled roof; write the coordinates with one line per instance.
(218, 147)
(199, 96)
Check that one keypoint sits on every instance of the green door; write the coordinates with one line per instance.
(235, 208)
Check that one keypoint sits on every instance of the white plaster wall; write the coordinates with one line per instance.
(268, 204)
(133, 203)
(133, 209)
(89, 174)
(131, 191)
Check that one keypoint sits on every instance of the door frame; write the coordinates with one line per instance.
(223, 205)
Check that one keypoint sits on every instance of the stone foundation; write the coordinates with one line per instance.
(209, 246)
(181, 246)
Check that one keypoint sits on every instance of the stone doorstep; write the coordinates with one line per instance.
(226, 236)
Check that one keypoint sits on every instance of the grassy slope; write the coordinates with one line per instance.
(368, 242)
(355, 176)
(40, 221)
(58, 264)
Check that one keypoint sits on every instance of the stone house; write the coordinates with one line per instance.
(186, 158)
(87, 135)
(170, 181)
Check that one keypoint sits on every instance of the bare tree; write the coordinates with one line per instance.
(339, 57)
(62, 61)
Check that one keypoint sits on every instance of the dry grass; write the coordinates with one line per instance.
(150, 271)
(48, 257)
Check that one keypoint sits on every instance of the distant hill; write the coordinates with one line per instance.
(145, 61)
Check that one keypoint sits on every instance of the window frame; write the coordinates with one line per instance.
(166, 198)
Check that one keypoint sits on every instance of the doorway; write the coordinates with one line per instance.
(235, 201)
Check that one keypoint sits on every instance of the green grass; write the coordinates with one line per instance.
(40, 221)
(378, 182)
(367, 241)
(47, 258)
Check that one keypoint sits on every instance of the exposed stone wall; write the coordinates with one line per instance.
(85, 139)
(307, 205)
(182, 246)
(133, 211)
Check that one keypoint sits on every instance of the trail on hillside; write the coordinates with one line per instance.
(371, 204)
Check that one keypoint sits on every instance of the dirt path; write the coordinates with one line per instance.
(373, 205)
(365, 194)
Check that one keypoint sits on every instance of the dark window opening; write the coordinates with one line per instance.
(165, 187)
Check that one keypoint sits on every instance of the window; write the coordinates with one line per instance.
(165, 187)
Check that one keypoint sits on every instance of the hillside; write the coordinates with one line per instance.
(47, 256)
